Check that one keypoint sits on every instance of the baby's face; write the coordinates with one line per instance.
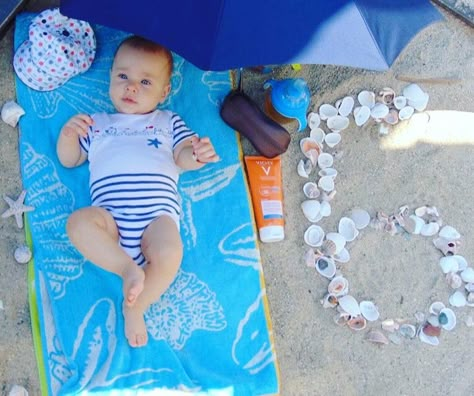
(139, 80)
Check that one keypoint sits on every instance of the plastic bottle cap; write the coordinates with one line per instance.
(272, 233)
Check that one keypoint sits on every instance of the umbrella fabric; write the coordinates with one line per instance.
(229, 34)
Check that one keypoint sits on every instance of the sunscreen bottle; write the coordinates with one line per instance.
(264, 176)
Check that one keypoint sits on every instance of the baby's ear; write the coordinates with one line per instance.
(166, 91)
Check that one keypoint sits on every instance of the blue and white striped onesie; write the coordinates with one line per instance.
(132, 171)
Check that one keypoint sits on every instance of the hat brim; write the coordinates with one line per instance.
(30, 73)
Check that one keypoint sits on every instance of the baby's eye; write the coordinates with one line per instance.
(122, 76)
(146, 82)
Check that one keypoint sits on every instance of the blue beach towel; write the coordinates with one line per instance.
(210, 333)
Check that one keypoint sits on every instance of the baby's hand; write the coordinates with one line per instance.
(77, 125)
(203, 150)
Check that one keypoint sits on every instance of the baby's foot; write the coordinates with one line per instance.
(135, 327)
(133, 283)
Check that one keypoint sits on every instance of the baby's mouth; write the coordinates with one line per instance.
(129, 100)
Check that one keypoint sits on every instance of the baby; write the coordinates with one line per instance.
(135, 156)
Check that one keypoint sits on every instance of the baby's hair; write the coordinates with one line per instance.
(146, 45)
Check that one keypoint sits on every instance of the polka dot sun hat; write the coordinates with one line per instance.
(58, 48)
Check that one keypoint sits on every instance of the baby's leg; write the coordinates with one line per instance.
(93, 232)
(163, 249)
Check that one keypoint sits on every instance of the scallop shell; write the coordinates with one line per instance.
(369, 310)
(304, 168)
(405, 113)
(339, 286)
(346, 106)
(350, 305)
(326, 183)
(361, 115)
(366, 98)
(447, 319)
(338, 239)
(343, 256)
(314, 236)
(360, 217)
(310, 190)
(327, 110)
(337, 123)
(313, 120)
(332, 139)
(311, 209)
(325, 160)
(347, 229)
(399, 102)
(328, 248)
(326, 267)
(22, 254)
(11, 113)
(449, 233)
(448, 264)
(380, 110)
(317, 134)
(458, 299)
(331, 172)
(467, 275)
(376, 337)
(357, 323)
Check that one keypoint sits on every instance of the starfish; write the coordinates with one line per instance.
(17, 208)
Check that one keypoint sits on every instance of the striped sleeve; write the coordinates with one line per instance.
(180, 130)
(85, 142)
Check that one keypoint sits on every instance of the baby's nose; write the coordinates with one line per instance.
(132, 87)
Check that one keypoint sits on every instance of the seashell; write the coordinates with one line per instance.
(453, 280)
(405, 113)
(433, 320)
(339, 286)
(314, 236)
(310, 190)
(360, 217)
(448, 248)
(430, 330)
(395, 338)
(328, 248)
(449, 233)
(420, 317)
(11, 113)
(22, 254)
(384, 129)
(347, 229)
(338, 239)
(310, 258)
(380, 110)
(310, 148)
(337, 123)
(329, 301)
(361, 115)
(328, 196)
(317, 134)
(429, 229)
(326, 183)
(387, 95)
(343, 256)
(366, 98)
(326, 267)
(325, 209)
(18, 390)
(412, 92)
(420, 103)
(332, 139)
(313, 120)
(350, 305)
(469, 321)
(328, 172)
(407, 330)
(419, 223)
(369, 310)
(326, 111)
(436, 307)
(390, 325)
(457, 299)
(346, 106)
(448, 264)
(325, 160)
(392, 117)
(357, 323)
(341, 318)
(467, 275)
(428, 339)
(304, 168)
(462, 262)
(399, 102)
(447, 319)
(470, 300)
(311, 208)
(469, 287)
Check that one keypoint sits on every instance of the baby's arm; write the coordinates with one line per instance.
(68, 147)
(194, 153)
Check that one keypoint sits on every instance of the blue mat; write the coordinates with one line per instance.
(210, 333)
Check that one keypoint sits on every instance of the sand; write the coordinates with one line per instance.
(424, 161)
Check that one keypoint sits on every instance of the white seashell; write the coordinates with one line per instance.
(392, 117)
(338, 239)
(337, 123)
(341, 318)
(468, 275)
(311, 190)
(343, 256)
(310, 148)
(328, 172)
(366, 98)
(314, 236)
(369, 310)
(326, 183)
(325, 209)
(18, 390)
(326, 111)
(458, 299)
(431, 340)
(470, 300)
(449, 233)
(357, 323)
(347, 229)
(448, 264)
(384, 129)
(350, 305)
(421, 103)
(361, 115)
(454, 280)
(11, 113)
(318, 135)
(448, 248)
(22, 254)
(436, 307)
(469, 287)
(360, 217)
(329, 301)
(328, 196)
(413, 92)
(325, 160)
(419, 223)
(406, 113)
(332, 139)
(407, 330)
(462, 262)
(399, 102)
(390, 325)
(429, 229)
(380, 110)
(339, 286)
(387, 95)
(346, 106)
(447, 319)
(311, 209)
(313, 120)
(304, 168)
(326, 267)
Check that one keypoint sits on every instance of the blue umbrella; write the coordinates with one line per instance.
(229, 34)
